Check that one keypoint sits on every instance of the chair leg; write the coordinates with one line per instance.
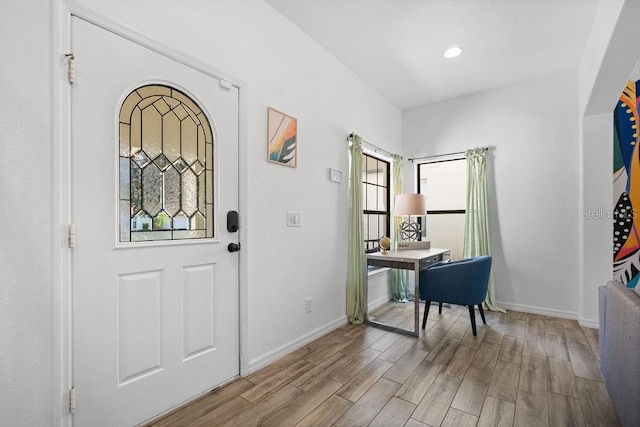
(427, 306)
(473, 320)
(439, 308)
(482, 314)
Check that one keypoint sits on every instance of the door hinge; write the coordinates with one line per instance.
(71, 67)
(72, 235)
(224, 84)
(72, 400)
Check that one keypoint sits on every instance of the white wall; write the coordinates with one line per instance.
(379, 291)
(282, 68)
(592, 84)
(610, 55)
(25, 206)
(532, 131)
(596, 230)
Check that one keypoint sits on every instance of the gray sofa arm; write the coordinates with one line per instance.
(602, 306)
(620, 351)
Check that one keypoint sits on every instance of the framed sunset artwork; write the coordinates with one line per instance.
(282, 138)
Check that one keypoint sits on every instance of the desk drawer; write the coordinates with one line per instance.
(435, 259)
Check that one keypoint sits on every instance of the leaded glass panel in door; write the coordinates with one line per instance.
(166, 167)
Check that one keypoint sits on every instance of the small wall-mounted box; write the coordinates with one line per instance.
(335, 175)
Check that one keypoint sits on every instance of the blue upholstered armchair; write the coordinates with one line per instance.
(463, 282)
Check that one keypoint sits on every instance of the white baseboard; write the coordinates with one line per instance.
(539, 310)
(588, 323)
(273, 355)
(377, 303)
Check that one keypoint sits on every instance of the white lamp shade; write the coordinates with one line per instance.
(410, 204)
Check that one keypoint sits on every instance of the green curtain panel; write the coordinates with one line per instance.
(355, 248)
(476, 225)
(397, 278)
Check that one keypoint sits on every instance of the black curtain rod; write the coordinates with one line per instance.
(351, 135)
(442, 155)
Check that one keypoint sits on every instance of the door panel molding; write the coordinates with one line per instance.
(139, 331)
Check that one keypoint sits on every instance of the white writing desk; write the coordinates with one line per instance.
(413, 259)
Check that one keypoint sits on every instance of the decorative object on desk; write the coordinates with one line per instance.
(385, 245)
(410, 231)
(282, 138)
(408, 205)
(421, 244)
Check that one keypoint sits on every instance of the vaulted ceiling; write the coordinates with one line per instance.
(397, 45)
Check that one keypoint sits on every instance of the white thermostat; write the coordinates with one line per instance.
(335, 175)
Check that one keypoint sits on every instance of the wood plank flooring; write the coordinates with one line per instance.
(522, 369)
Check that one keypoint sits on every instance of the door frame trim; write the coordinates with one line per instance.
(61, 267)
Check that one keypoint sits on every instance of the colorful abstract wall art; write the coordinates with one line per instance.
(282, 138)
(626, 187)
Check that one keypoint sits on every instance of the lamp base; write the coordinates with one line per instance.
(410, 231)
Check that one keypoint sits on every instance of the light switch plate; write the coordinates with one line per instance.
(294, 219)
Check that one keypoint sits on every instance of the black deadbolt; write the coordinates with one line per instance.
(232, 221)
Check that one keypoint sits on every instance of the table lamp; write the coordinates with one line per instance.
(407, 205)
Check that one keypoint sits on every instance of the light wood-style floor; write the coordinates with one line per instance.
(521, 370)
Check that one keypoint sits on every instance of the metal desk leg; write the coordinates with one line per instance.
(366, 293)
(416, 299)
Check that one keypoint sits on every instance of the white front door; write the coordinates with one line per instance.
(155, 313)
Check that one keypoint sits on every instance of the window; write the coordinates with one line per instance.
(375, 182)
(445, 185)
(166, 167)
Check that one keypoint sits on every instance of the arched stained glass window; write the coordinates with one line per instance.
(166, 161)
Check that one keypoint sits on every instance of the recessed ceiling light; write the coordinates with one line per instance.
(452, 52)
